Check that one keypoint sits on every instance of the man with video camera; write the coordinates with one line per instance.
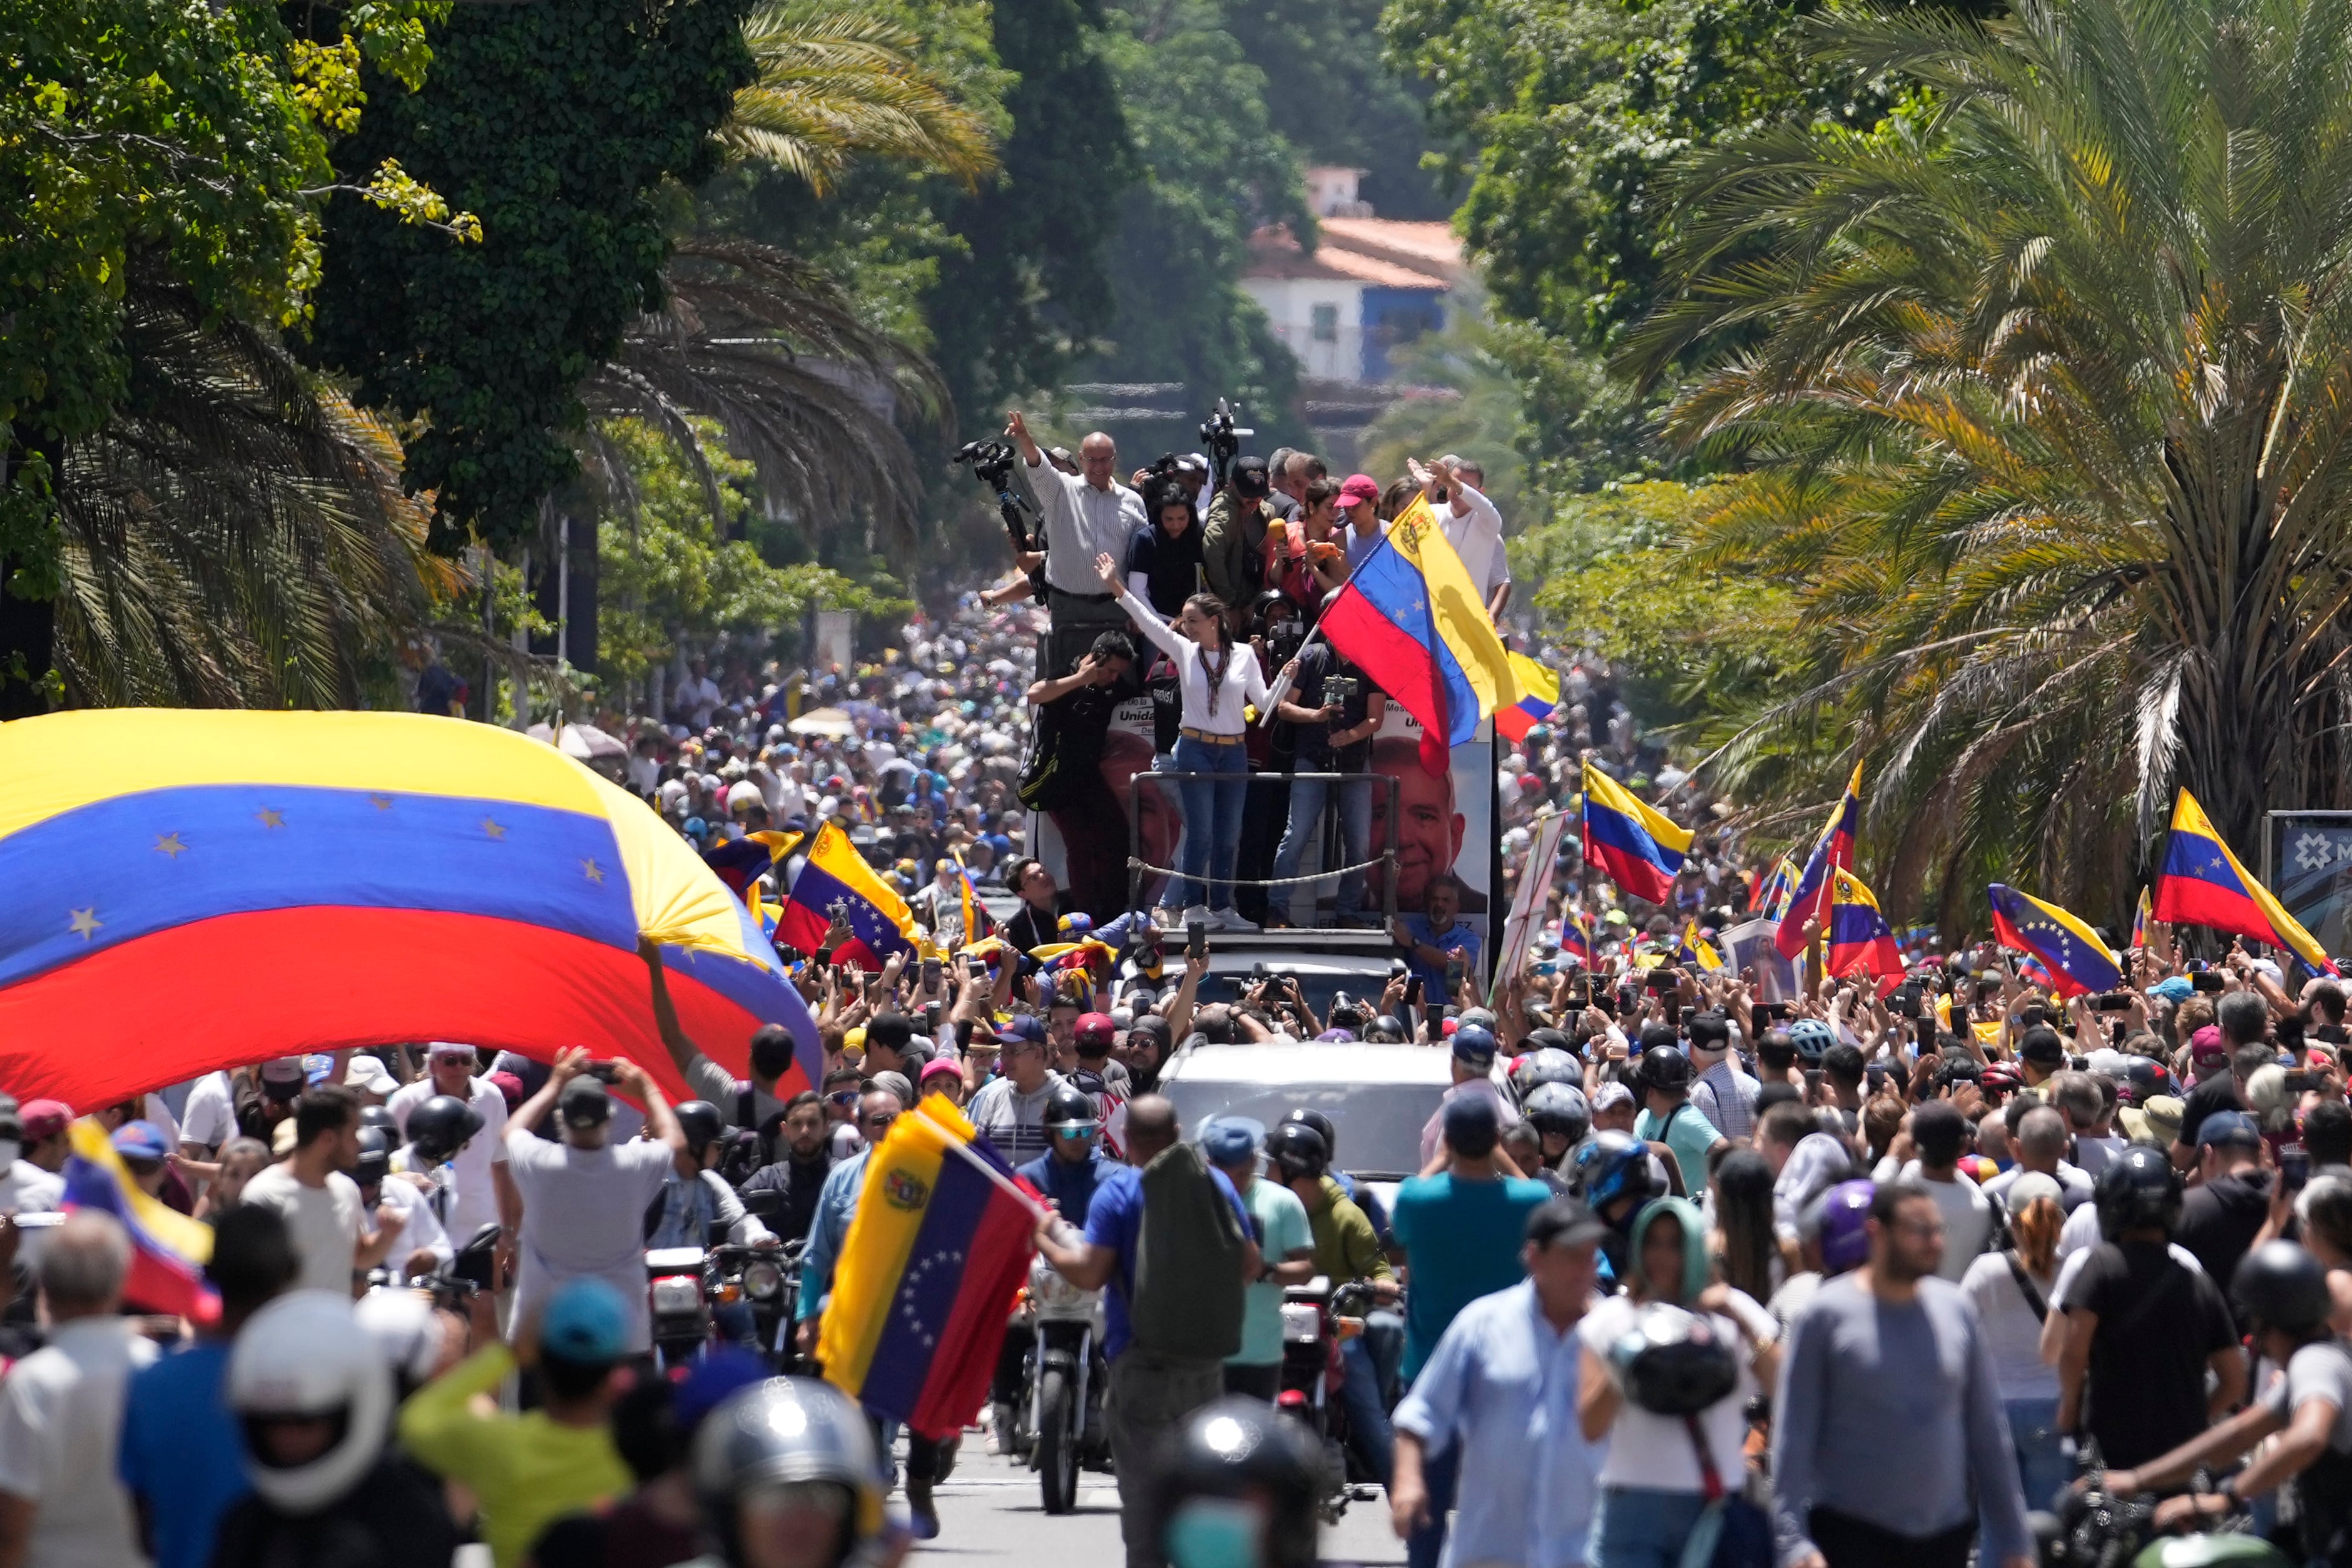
(1333, 712)
(1088, 514)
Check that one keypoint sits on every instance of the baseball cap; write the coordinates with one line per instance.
(1357, 489)
(941, 1068)
(282, 1077)
(1250, 477)
(2042, 1047)
(43, 1118)
(895, 1082)
(2031, 1186)
(141, 1140)
(1471, 1125)
(1610, 1096)
(584, 1103)
(1564, 1221)
(585, 1321)
(12, 1124)
(1230, 1140)
(2234, 1128)
(1022, 1028)
(1473, 1044)
(2206, 1045)
(1097, 1028)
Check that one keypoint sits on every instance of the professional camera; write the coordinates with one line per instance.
(1338, 690)
(992, 464)
(1223, 440)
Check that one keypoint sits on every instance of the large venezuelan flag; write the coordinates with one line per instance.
(2077, 961)
(1538, 695)
(168, 1250)
(1639, 848)
(937, 1249)
(1411, 620)
(833, 877)
(189, 891)
(1860, 939)
(2202, 883)
(1833, 852)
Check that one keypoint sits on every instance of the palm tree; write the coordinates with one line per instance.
(837, 82)
(236, 534)
(2043, 392)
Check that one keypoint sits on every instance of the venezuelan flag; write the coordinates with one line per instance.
(1411, 620)
(1696, 950)
(2077, 960)
(1575, 941)
(834, 878)
(977, 922)
(937, 1250)
(2139, 922)
(1538, 695)
(1640, 847)
(2203, 884)
(1773, 899)
(1833, 852)
(168, 1250)
(224, 886)
(1860, 939)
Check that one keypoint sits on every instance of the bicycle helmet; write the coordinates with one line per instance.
(2139, 1187)
(1559, 1108)
(1238, 1482)
(1810, 1038)
(2279, 1285)
(307, 1359)
(1673, 1362)
(700, 1121)
(1297, 1151)
(2146, 1079)
(799, 1438)
(1322, 1124)
(2000, 1077)
(1836, 1219)
(441, 1126)
(1613, 1166)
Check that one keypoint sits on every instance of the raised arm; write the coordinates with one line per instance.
(1162, 636)
(684, 1054)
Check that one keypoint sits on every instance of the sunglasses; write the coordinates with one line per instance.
(877, 1122)
(846, 1097)
(1076, 1130)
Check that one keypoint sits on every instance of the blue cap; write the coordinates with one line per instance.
(585, 1323)
(2231, 1127)
(1023, 1026)
(1473, 1045)
(723, 1371)
(139, 1140)
(1230, 1140)
(1471, 1124)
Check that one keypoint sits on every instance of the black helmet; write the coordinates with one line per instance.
(381, 1117)
(2147, 1079)
(2278, 1284)
(2139, 1187)
(1069, 1106)
(1545, 1064)
(1388, 1029)
(789, 1432)
(700, 1121)
(1560, 1108)
(1322, 1123)
(1665, 1068)
(1298, 1149)
(375, 1157)
(1673, 1362)
(1237, 1450)
(439, 1127)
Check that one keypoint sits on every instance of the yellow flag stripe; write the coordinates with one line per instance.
(1455, 606)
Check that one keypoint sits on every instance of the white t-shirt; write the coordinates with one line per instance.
(60, 1423)
(209, 1116)
(1653, 1451)
(420, 1227)
(474, 1202)
(583, 1212)
(2322, 1370)
(326, 1223)
(26, 1188)
(1967, 1214)
(2013, 1334)
(1476, 536)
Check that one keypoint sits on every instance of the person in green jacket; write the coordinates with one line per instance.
(527, 1471)
(1347, 1250)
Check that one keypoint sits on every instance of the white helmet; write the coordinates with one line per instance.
(304, 1355)
(406, 1328)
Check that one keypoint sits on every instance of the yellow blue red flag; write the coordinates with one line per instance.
(2203, 884)
(1860, 939)
(834, 878)
(168, 1250)
(2070, 953)
(1640, 847)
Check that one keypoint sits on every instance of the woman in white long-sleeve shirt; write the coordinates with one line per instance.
(1219, 678)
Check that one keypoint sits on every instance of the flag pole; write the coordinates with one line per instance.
(1003, 1182)
(1280, 688)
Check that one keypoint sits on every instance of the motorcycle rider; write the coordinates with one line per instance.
(2282, 1296)
(786, 1475)
(1283, 1240)
(800, 1174)
(1360, 1193)
(422, 1244)
(439, 1130)
(1069, 1170)
(1237, 1489)
(1347, 1252)
(696, 1204)
(1561, 1118)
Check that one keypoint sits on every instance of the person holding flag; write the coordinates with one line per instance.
(1812, 899)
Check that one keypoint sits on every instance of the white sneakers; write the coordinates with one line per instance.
(1215, 919)
(1230, 920)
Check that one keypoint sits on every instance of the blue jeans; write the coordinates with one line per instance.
(1369, 1363)
(1307, 798)
(1441, 1473)
(1635, 1527)
(1212, 821)
(2033, 1433)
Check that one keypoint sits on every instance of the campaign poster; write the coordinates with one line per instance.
(1444, 824)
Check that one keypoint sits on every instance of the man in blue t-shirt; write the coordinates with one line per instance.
(1435, 935)
(1149, 1393)
(182, 1451)
(1462, 1231)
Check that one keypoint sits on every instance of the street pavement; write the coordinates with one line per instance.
(990, 1517)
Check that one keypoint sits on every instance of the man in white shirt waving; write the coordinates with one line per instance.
(1456, 489)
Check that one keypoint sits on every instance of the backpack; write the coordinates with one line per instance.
(1189, 1296)
(744, 1149)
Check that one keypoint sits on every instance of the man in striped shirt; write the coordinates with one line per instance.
(1721, 1093)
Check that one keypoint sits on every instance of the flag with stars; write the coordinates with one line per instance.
(1813, 896)
(1410, 619)
(2202, 883)
(833, 879)
(288, 883)
(168, 1250)
(2077, 960)
(936, 1254)
(1861, 942)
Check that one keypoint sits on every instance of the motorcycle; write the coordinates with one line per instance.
(1062, 1426)
(687, 1284)
(1316, 1319)
(2095, 1529)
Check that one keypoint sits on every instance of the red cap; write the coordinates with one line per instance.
(1094, 1027)
(1359, 487)
(44, 1117)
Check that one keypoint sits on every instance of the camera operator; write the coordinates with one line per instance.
(1087, 515)
(1234, 540)
(1332, 714)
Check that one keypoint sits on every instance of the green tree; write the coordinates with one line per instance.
(2047, 391)
(1335, 99)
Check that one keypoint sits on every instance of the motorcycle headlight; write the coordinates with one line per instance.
(762, 1280)
(677, 1294)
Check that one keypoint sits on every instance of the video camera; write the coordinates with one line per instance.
(1223, 440)
(992, 464)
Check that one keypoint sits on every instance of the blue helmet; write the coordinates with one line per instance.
(1615, 1165)
(1812, 1037)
